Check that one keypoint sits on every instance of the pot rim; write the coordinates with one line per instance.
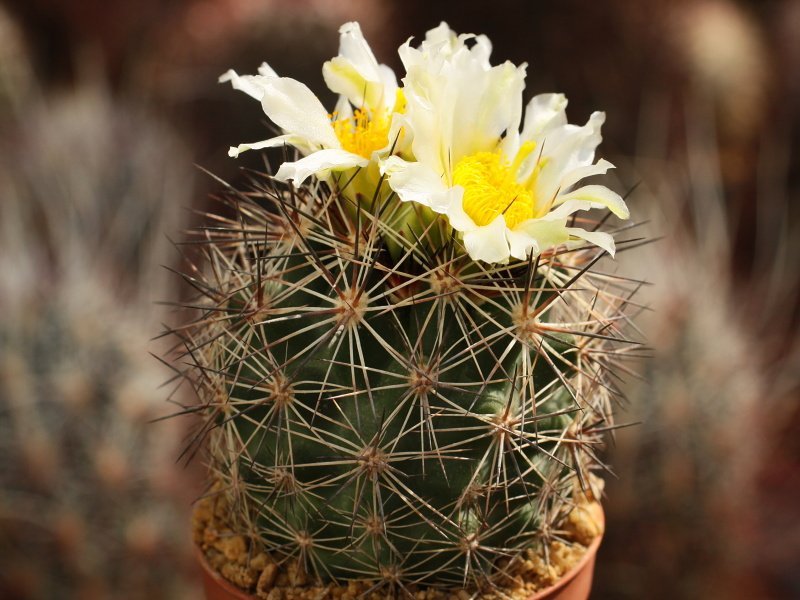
(587, 558)
(212, 575)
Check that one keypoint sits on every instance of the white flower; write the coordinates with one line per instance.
(508, 192)
(359, 127)
(456, 102)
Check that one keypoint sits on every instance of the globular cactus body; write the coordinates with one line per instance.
(404, 421)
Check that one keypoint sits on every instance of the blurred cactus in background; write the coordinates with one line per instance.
(89, 501)
(705, 504)
(87, 181)
(691, 515)
(92, 504)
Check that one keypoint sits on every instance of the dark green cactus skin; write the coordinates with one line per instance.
(404, 421)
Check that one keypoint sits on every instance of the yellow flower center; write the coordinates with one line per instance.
(491, 188)
(363, 135)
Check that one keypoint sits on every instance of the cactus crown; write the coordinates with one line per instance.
(378, 404)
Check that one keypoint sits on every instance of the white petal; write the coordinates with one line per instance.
(296, 110)
(343, 109)
(389, 80)
(267, 71)
(319, 163)
(356, 74)
(510, 144)
(415, 182)
(486, 105)
(410, 57)
(565, 209)
(441, 35)
(544, 112)
(600, 197)
(598, 238)
(459, 219)
(342, 77)
(564, 149)
(574, 176)
(539, 234)
(521, 245)
(281, 140)
(456, 103)
(355, 49)
(400, 135)
(252, 85)
(591, 139)
(430, 134)
(459, 107)
(488, 243)
(482, 50)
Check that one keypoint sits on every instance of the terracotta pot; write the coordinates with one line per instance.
(575, 585)
(577, 582)
(215, 585)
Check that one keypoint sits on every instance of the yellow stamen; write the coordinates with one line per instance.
(361, 134)
(491, 188)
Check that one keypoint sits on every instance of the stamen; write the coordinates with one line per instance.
(361, 134)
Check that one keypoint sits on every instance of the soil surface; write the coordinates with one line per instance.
(241, 562)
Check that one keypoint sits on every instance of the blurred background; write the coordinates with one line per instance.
(106, 106)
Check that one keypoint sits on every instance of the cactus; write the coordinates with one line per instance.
(91, 503)
(378, 404)
(88, 505)
(724, 370)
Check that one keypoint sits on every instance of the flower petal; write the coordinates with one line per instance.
(457, 216)
(490, 103)
(542, 113)
(600, 197)
(266, 71)
(441, 37)
(416, 182)
(319, 162)
(296, 110)
(488, 243)
(537, 235)
(356, 74)
(356, 50)
(521, 245)
(598, 238)
(252, 85)
(564, 149)
(281, 140)
(458, 107)
(572, 177)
